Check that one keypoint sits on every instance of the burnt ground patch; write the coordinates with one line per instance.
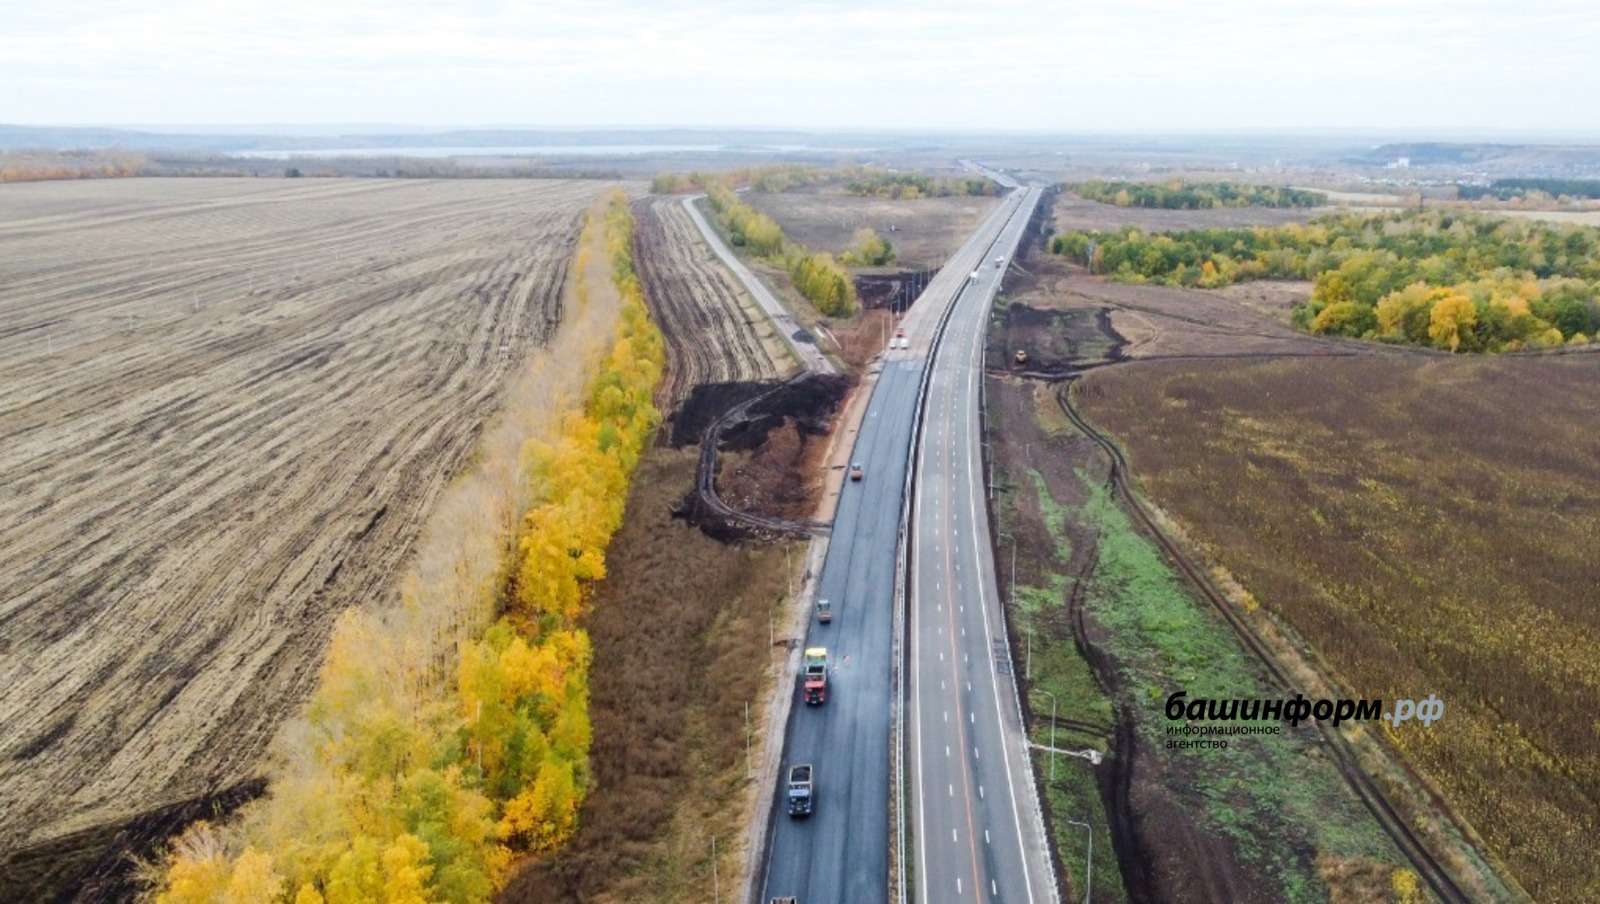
(892, 291)
(1055, 342)
(93, 864)
(766, 460)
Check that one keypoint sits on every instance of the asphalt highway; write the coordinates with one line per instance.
(841, 853)
(979, 835)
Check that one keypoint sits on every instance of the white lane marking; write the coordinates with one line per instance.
(993, 888)
(958, 886)
(947, 715)
(955, 837)
(980, 791)
(952, 790)
(985, 836)
(969, 687)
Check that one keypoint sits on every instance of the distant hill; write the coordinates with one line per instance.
(15, 137)
(1483, 155)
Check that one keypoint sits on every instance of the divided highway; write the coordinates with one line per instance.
(978, 832)
(841, 853)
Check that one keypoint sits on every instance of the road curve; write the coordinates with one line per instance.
(799, 339)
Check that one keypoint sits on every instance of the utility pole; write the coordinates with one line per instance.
(1052, 732)
(1088, 880)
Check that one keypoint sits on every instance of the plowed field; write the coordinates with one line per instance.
(227, 406)
(715, 334)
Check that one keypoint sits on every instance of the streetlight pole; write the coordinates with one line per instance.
(1052, 732)
(1088, 880)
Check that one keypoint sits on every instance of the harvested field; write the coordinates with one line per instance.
(1427, 526)
(714, 332)
(228, 407)
(925, 231)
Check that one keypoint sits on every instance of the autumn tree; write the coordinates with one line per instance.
(1450, 322)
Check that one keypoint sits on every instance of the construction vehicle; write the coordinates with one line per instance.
(800, 790)
(816, 675)
(824, 611)
(1000, 261)
(1021, 357)
(789, 900)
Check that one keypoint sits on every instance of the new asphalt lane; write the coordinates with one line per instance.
(841, 852)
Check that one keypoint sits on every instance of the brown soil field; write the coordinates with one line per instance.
(1427, 526)
(1165, 836)
(228, 405)
(925, 231)
(714, 333)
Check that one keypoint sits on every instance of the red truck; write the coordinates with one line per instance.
(816, 675)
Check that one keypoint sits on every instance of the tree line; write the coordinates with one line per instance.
(1179, 195)
(417, 789)
(1508, 189)
(910, 186)
(815, 274)
(874, 182)
(1459, 281)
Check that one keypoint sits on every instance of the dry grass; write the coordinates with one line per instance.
(1075, 213)
(926, 231)
(680, 633)
(1428, 526)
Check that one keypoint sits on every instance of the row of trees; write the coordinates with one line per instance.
(773, 178)
(414, 788)
(875, 182)
(910, 186)
(815, 274)
(1507, 189)
(1526, 281)
(1180, 195)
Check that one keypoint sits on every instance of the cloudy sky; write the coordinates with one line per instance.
(1501, 65)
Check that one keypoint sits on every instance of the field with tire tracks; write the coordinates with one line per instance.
(714, 333)
(227, 407)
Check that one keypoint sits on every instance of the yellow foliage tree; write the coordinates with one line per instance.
(1450, 322)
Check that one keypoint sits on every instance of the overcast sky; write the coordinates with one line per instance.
(1504, 65)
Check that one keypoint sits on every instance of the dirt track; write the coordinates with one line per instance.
(714, 334)
(227, 406)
